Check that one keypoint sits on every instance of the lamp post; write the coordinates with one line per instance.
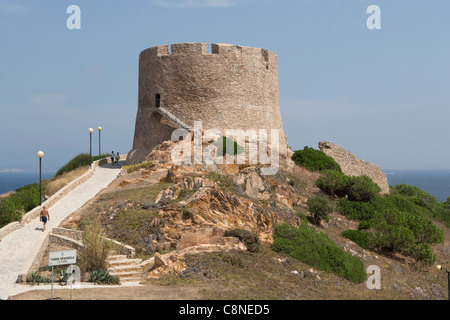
(90, 153)
(99, 140)
(439, 267)
(40, 155)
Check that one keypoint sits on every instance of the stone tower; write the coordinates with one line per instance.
(233, 87)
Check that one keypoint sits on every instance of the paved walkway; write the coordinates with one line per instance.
(17, 246)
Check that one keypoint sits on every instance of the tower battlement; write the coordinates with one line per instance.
(201, 49)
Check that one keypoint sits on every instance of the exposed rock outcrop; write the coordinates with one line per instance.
(353, 166)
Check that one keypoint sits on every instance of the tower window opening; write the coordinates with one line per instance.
(158, 100)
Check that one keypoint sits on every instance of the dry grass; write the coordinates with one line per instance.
(57, 183)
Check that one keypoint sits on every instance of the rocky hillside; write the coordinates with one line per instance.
(185, 213)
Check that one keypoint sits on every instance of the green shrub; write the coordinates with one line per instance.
(424, 230)
(320, 207)
(390, 232)
(81, 160)
(364, 225)
(95, 249)
(27, 197)
(413, 191)
(23, 200)
(250, 239)
(227, 146)
(358, 237)
(362, 189)
(361, 211)
(64, 276)
(317, 250)
(8, 212)
(103, 277)
(36, 278)
(423, 253)
(333, 183)
(315, 160)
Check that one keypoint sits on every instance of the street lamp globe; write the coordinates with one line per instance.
(91, 130)
(40, 154)
(439, 267)
(99, 128)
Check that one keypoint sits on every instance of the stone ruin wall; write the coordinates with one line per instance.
(353, 166)
(233, 87)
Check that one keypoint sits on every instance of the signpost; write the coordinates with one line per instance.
(60, 258)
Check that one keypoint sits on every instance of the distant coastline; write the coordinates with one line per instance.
(11, 180)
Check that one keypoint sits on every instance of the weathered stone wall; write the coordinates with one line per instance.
(353, 166)
(234, 87)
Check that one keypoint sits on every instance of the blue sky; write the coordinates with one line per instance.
(381, 94)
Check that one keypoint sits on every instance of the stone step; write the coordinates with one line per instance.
(116, 257)
(131, 279)
(125, 262)
(126, 275)
(126, 269)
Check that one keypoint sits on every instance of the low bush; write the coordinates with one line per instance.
(315, 160)
(317, 250)
(36, 278)
(103, 277)
(8, 212)
(320, 207)
(413, 191)
(359, 237)
(227, 146)
(390, 232)
(96, 248)
(83, 159)
(334, 183)
(361, 211)
(423, 253)
(362, 189)
(250, 239)
(408, 233)
(23, 200)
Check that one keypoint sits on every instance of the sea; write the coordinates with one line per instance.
(10, 181)
(435, 182)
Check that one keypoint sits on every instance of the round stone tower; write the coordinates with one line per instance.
(233, 87)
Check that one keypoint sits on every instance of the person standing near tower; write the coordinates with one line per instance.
(112, 157)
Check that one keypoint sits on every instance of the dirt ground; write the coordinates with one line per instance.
(147, 292)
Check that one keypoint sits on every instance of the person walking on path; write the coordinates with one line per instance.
(45, 216)
(112, 157)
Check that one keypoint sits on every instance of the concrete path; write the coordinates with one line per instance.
(18, 246)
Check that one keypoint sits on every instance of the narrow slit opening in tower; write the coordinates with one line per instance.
(158, 100)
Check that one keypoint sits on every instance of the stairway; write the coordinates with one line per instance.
(169, 116)
(128, 270)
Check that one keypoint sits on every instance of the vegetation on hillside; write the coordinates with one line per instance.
(319, 207)
(16, 205)
(26, 198)
(83, 159)
(315, 160)
(317, 250)
(395, 223)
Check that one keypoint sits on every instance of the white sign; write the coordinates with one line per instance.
(59, 258)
